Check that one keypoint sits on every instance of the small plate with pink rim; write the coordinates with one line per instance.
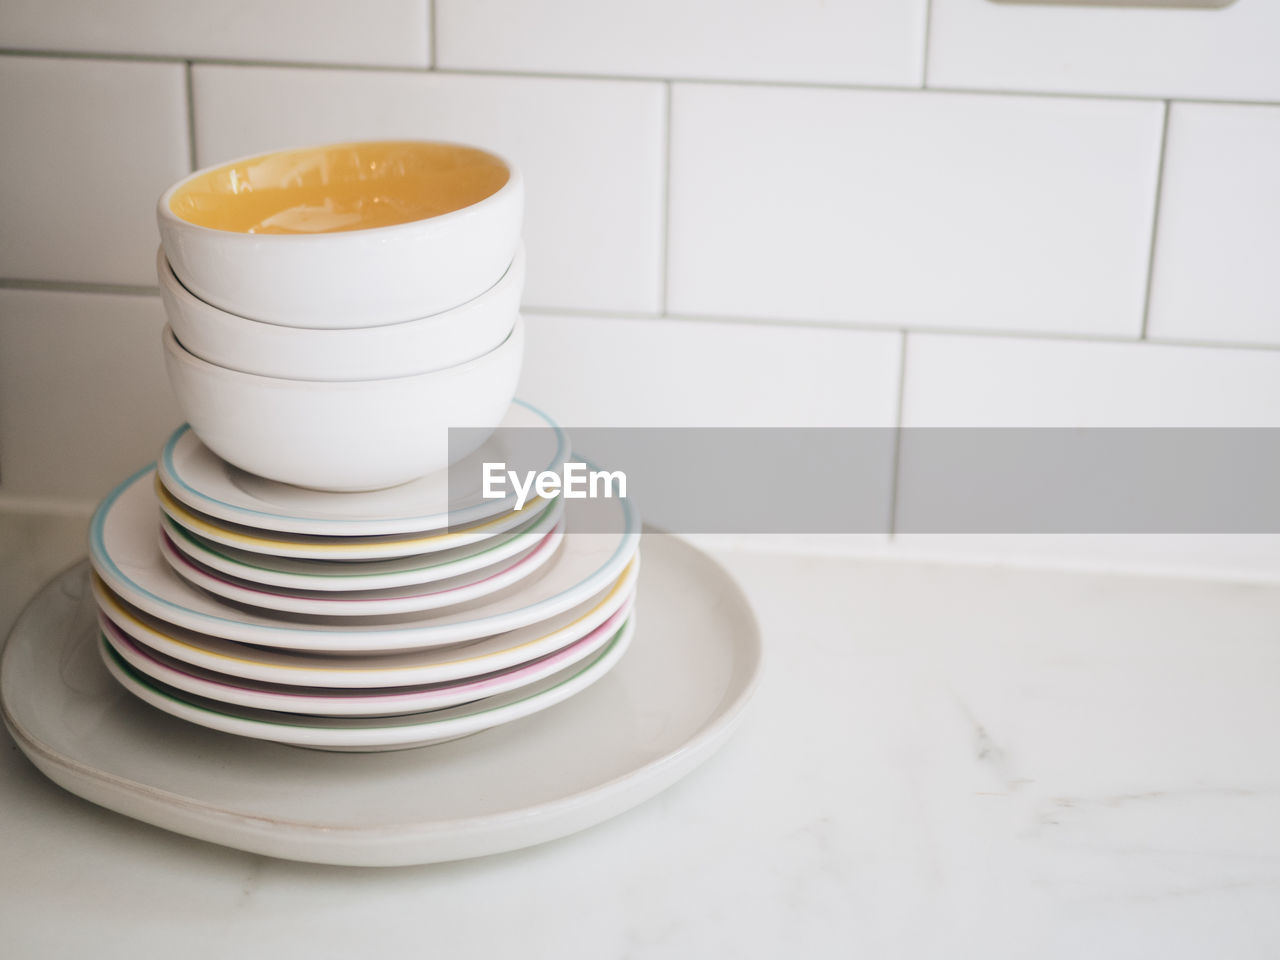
(381, 602)
(340, 702)
(338, 671)
(374, 733)
(348, 548)
(344, 575)
(193, 475)
(124, 551)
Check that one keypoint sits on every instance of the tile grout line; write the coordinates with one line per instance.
(93, 55)
(812, 323)
(432, 41)
(924, 53)
(191, 116)
(781, 84)
(665, 292)
(78, 286)
(897, 440)
(125, 289)
(968, 332)
(1155, 219)
(642, 78)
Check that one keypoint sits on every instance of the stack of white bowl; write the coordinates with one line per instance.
(296, 567)
(339, 360)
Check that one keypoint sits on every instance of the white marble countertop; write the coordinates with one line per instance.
(942, 761)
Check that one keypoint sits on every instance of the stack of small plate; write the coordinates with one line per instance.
(363, 621)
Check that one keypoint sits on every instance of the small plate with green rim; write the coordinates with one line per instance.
(376, 733)
(466, 588)
(344, 575)
(368, 671)
(352, 702)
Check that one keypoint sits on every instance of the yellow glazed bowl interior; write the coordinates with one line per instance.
(339, 187)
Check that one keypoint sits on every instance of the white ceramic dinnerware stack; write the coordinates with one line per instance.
(300, 565)
(300, 569)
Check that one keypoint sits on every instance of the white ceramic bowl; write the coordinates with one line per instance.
(360, 277)
(347, 435)
(361, 353)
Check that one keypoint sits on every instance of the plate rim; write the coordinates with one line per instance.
(395, 735)
(279, 522)
(416, 636)
(369, 697)
(513, 571)
(373, 547)
(205, 548)
(621, 589)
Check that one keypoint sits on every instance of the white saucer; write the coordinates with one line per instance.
(125, 553)
(350, 703)
(384, 601)
(195, 476)
(417, 667)
(344, 575)
(372, 734)
(670, 703)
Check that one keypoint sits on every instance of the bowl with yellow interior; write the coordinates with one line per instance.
(345, 235)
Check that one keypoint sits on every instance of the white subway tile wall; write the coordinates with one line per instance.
(676, 372)
(592, 153)
(912, 209)
(87, 146)
(958, 381)
(717, 205)
(1217, 268)
(1225, 53)
(83, 397)
(392, 33)
(645, 372)
(816, 41)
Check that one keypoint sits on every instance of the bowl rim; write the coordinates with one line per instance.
(170, 282)
(165, 214)
(174, 349)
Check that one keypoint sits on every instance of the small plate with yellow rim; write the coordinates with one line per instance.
(351, 702)
(303, 546)
(345, 575)
(379, 602)
(375, 671)
(124, 550)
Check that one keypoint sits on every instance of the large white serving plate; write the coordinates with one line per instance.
(197, 477)
(674, 698)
